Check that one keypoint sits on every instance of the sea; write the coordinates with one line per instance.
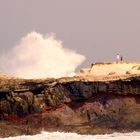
(74, 136)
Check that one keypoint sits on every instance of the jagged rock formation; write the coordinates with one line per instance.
(81, 104)
(69, 104)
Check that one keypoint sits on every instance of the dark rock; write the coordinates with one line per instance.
(73, 104)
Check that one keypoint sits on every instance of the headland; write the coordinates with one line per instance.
(103, 98)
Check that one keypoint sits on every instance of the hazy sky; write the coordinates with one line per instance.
(97, 29)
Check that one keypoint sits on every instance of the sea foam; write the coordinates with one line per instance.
(74, 136)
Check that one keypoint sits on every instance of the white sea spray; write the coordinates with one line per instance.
(40, 56)
(74, 136)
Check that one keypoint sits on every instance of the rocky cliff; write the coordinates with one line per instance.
(76, 104)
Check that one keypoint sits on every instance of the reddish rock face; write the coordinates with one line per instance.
(81, 106)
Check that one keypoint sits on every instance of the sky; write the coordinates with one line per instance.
(97, 29)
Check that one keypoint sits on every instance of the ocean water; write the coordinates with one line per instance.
(74, 136)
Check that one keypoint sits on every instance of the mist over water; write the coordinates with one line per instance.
(74, 136)
(40, 56)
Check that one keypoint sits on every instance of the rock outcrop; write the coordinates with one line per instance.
(111, 68)
(76, 104)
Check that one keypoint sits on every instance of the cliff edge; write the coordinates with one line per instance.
(82, 104)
